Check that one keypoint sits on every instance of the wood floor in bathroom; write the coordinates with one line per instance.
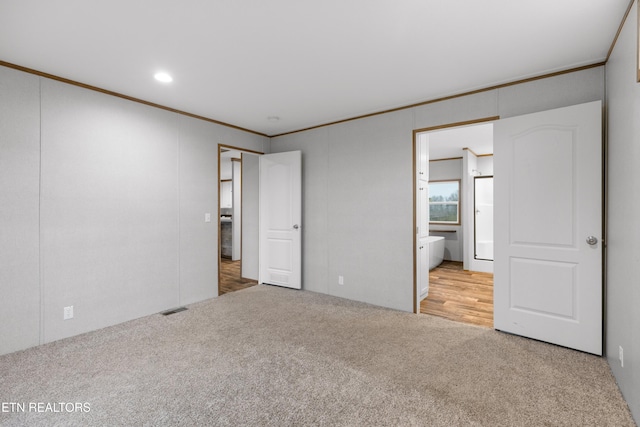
(456, 294)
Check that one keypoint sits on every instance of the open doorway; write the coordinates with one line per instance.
(460, 280)
(237, 219)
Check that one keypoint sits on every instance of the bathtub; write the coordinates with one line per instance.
(436, 251)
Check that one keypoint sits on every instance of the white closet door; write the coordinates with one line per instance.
(280, 219)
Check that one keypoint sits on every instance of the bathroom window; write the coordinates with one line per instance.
(444, 202)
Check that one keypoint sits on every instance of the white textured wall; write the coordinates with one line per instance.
(370, 199)
(357, 185)
(357, 200)
(102, 208)
(19, 210)
(109, 212)
(198, 178)
(623, 207)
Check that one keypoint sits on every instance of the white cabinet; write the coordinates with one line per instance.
(422, 218)
(226, 199)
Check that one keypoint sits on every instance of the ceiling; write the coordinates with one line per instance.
(306, 63)
(449, 143)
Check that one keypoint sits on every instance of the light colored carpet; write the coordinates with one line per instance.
(267, 356)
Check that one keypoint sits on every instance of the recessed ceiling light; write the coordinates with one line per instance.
(273, 118)
(163, 77)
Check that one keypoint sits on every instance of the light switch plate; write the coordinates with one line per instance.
(207, 217)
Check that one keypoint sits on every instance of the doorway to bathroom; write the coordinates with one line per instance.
(454, 209)
(548, 257)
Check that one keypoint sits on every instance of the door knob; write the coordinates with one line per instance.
(592, 240)
(296, 226)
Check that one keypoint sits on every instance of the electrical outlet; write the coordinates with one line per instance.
(621, 356)
(68, 313)
(340, 280)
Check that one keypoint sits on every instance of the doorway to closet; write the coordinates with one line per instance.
(260, 219)
(238, 215)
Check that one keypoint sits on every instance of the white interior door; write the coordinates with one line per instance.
(422, 218)
(548, 226)
(280, 219)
